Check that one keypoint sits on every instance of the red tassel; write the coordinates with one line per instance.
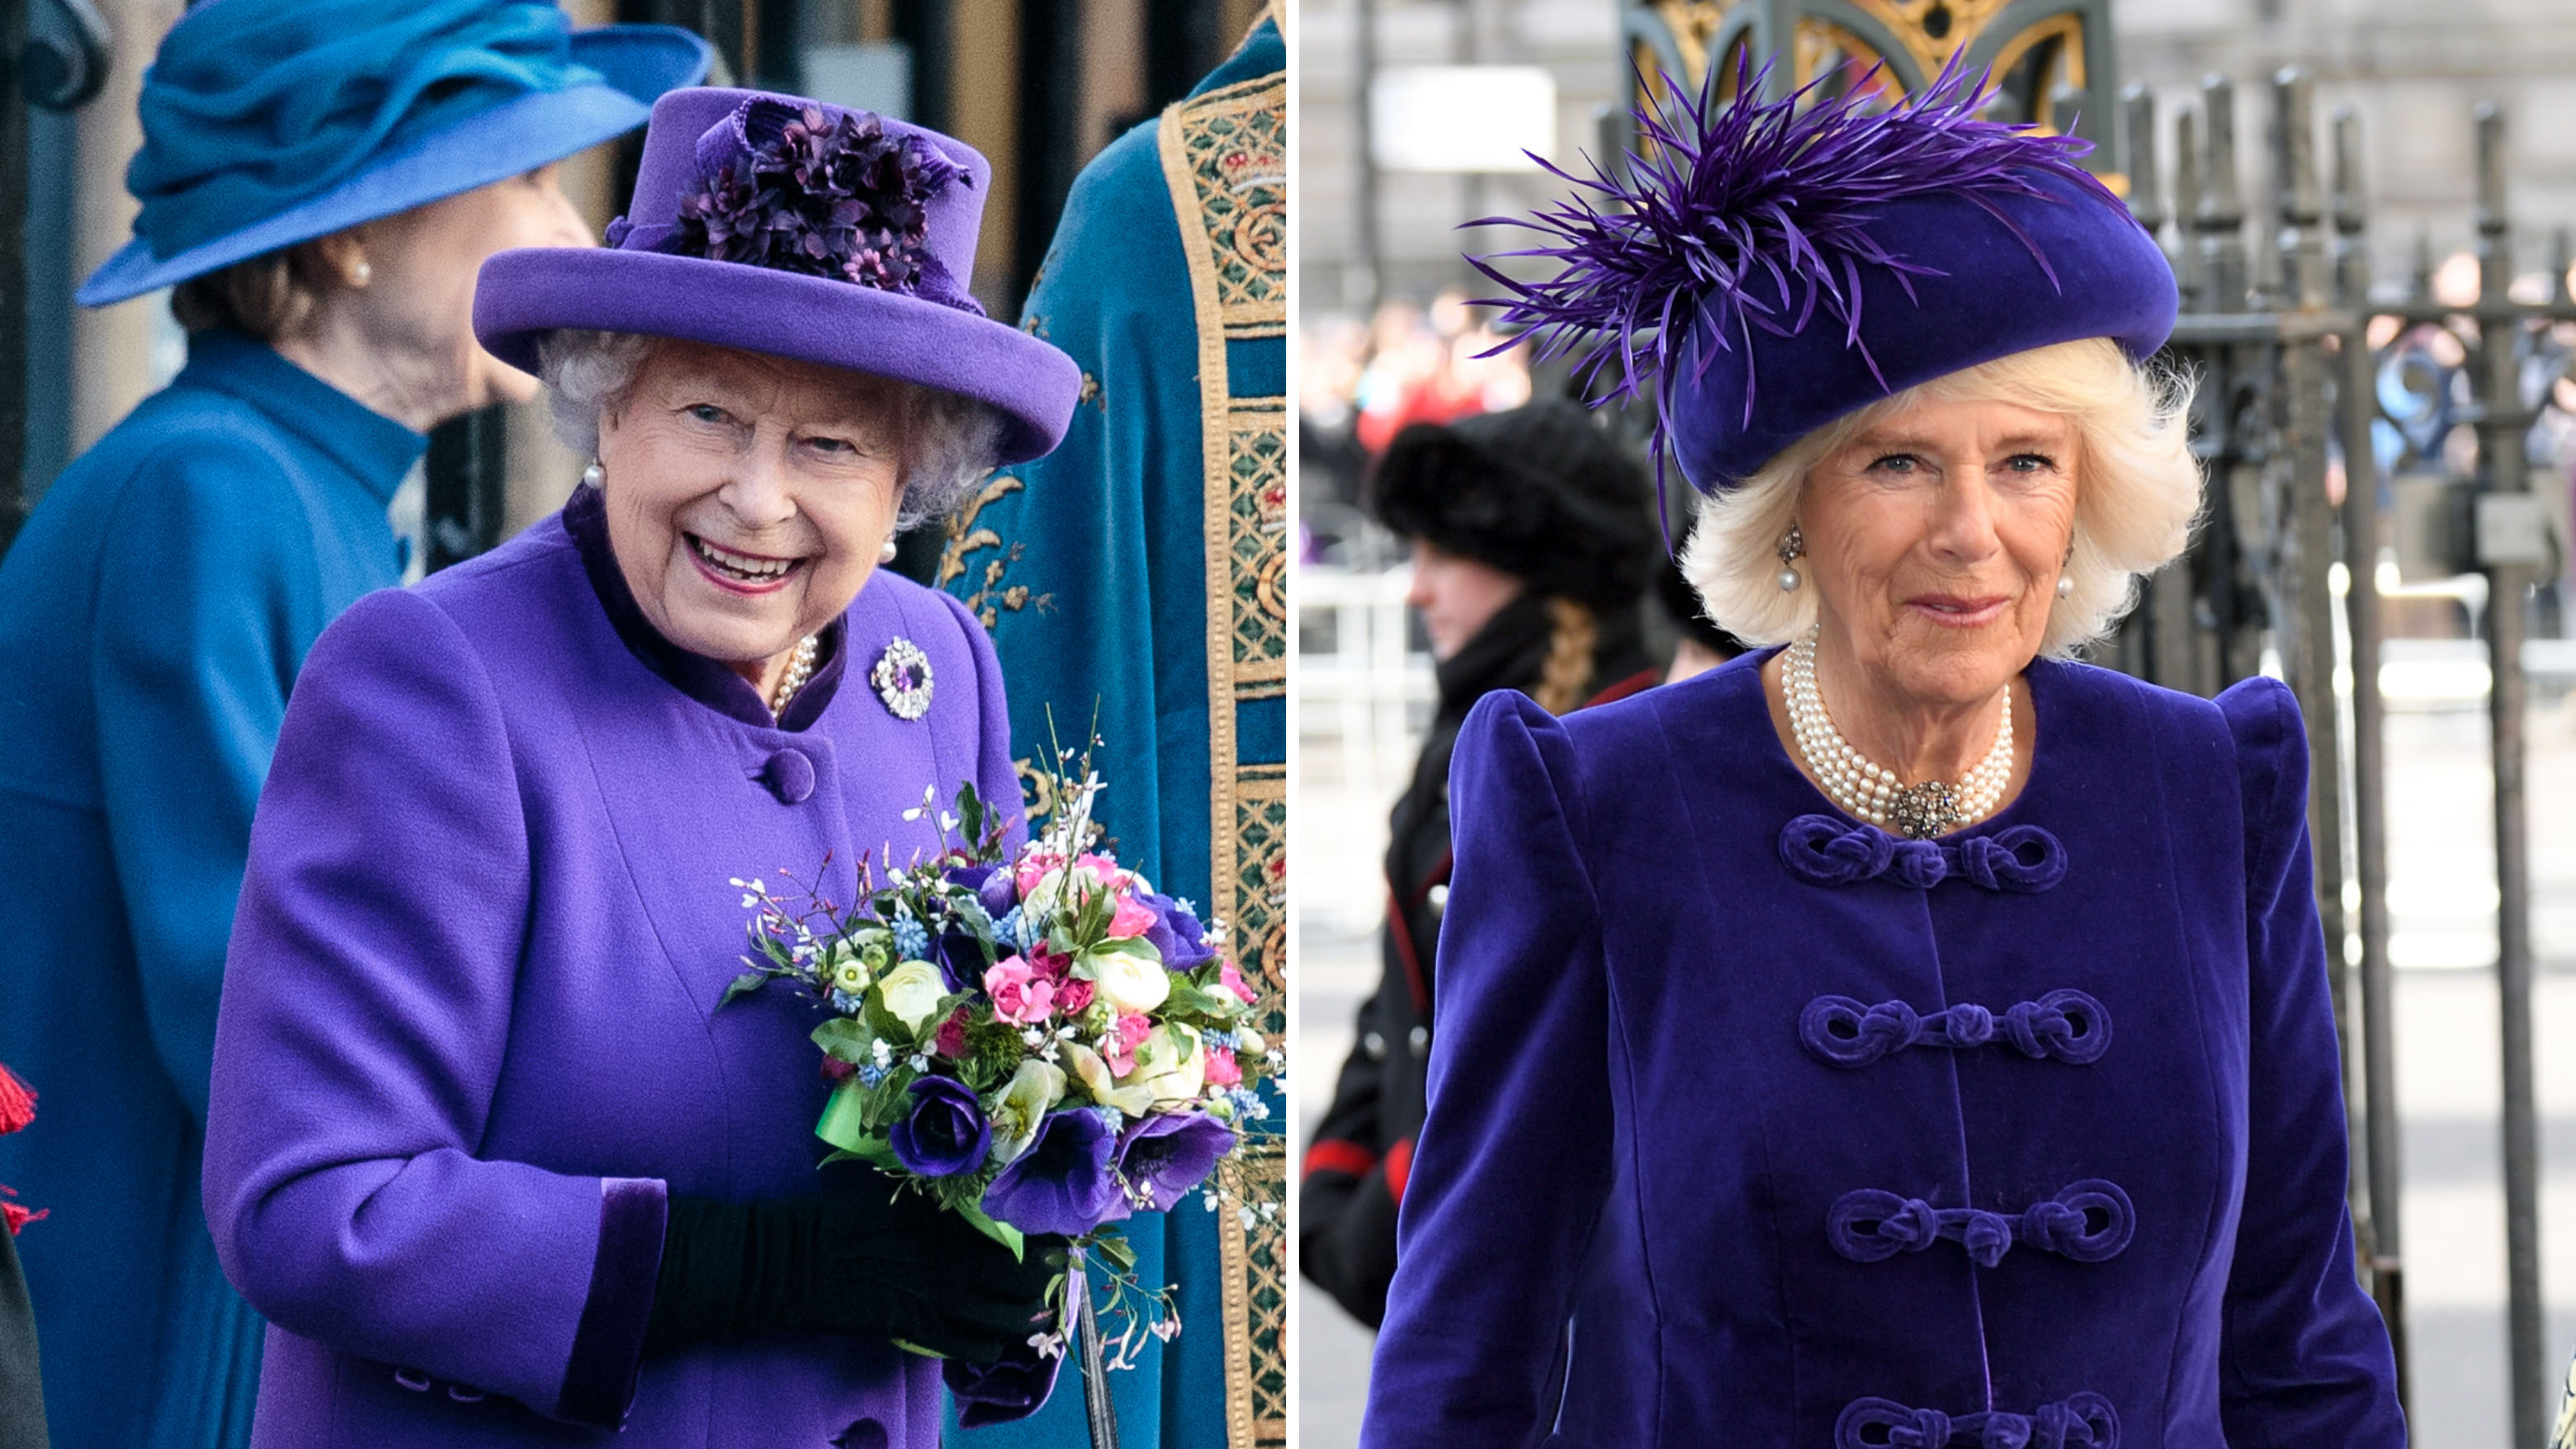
(16, 1217)
(17, 1103)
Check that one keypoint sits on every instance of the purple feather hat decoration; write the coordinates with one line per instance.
(1739, 242)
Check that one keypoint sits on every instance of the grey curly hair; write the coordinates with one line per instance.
(949, 442)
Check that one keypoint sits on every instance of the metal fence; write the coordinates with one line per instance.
(2319, 405)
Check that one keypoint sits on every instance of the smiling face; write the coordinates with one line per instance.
(748, 496)
(1934, 540)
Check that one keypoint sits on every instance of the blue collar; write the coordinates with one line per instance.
(710, 682)
(373, 448)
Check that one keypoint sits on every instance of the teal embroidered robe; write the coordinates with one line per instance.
(1139, 569)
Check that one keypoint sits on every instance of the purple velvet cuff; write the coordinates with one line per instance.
(997, 1393)
(608, 1346)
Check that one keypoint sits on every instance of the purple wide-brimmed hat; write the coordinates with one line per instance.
(785, 226)
(1766, 267)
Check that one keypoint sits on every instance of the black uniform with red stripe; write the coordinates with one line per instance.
(1356, 1162)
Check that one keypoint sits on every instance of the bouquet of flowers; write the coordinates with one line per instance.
(1040, 1041)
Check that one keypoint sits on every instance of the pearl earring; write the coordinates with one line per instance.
(1792, 546)
(2065, 585)
(885, 552)
(363, 273)
(592, 474)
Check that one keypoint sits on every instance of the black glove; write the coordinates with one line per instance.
(873, 1263)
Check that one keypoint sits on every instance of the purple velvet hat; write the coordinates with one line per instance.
(1768, 267)
(785, 226)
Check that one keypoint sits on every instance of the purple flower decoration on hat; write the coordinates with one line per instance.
(1757, 216)
(826, 195)
(945, 1133)
(1163, 1157)
(1176, 932)
(1061, 1184)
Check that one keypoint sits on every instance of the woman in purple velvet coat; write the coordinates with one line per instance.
(1907, 1036)
(481, 1148)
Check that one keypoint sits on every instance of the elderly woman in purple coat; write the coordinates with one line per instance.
(1902, 1036)
(481, 1147)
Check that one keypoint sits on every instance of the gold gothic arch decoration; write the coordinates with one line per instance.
(2051, 59)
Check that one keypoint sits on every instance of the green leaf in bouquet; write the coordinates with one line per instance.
(845, 1124)
(1189, 999)
(1091, 923)
(1111, 1247)
(1000, 1232)
(743, 985)
(1210, 979)
(884, 1103)
(970, 815)
(884, 1025)
(843, 1039)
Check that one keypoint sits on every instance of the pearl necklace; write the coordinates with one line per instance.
(800, 667)
(1869, 791)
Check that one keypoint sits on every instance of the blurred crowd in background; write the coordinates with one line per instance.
(1362, 381)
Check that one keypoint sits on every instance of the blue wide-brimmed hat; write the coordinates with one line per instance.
(1766, 267)
(272, 122)
(787, 226)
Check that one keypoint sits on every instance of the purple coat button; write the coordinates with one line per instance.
(789, 776)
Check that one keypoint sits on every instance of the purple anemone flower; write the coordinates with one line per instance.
(1165, 1156)
(1061, 1184)
(1176, 932)
(945, 1133)
(991, 884)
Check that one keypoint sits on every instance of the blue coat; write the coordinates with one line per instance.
(2034, 1135)
(470, 1039)
(153, 614)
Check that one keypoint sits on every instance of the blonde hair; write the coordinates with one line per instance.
(1565, 680)
(2138, 490)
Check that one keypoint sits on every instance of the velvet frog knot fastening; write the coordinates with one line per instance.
(2088, 1221)
(1825, 851)
(2066, 1024)
(2080, 1421)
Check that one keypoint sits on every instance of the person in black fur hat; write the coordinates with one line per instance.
(1533, 544)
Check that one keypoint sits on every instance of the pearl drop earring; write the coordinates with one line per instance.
(885, 552)
(1792, 546)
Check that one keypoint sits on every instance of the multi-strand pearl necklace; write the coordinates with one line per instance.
(1869, 791)
(800, 667)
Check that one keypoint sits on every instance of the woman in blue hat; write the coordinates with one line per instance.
(320, 180)
(1903, 1035)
